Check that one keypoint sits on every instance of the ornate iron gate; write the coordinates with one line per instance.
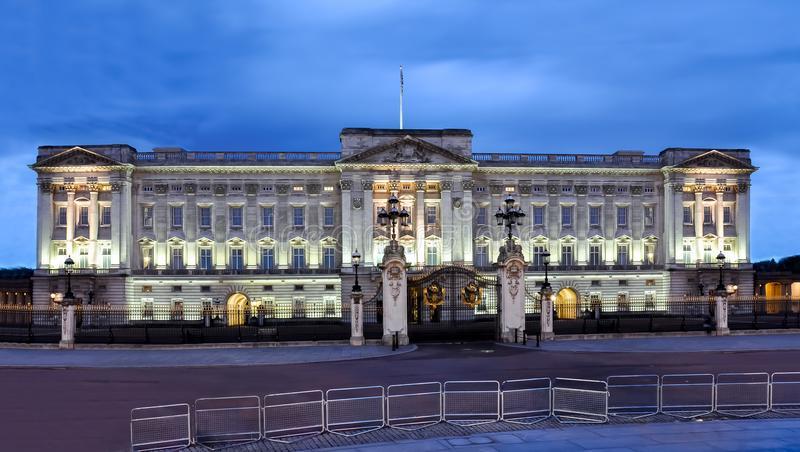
(452, 303)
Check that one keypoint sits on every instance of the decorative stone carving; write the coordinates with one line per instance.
(366, 184)
(346, 184)
(581, 189)
(45, 186)
(219, 189)
(677, 188)
(552, 189)
(457, 203)
(395, 278)
(496, 189)
(394, 184)
(406, 153)
(252, 189)
(420, 185)
(467, 185)
(161, 189)
(358, 203)
(525, 189)
(282, 189)
(742, 187)
(447, 185)
(513, 274)
(609, 189)
(189, 189)
(314, 189)
(636, 189)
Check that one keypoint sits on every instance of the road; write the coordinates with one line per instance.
(81, 409)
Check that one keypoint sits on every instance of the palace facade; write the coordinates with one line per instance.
(174, 227)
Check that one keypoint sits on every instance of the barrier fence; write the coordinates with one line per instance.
(293, 416)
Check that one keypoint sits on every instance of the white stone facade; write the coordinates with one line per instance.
(175, 226)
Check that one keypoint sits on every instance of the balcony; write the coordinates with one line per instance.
(232, 272)
(627, 160)
(180, 156)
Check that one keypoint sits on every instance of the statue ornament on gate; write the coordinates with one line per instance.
(472, 294)
(434, 296)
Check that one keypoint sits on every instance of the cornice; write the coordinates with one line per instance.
(408, 166)
(84, 169)
(676, 170)
(236, 169)
(562, 171)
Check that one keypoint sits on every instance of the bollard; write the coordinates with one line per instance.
(396, 341)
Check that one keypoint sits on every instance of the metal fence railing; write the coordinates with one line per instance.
(293, 416)
(161, 427)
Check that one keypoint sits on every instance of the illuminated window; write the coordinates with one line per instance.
(105, 257)
(297, 188)
(267, 258)
(206, 261)
(327, 188)
(329, 257)
(147, 257)
(432, 254)
(176, 258)
(595, 255)
(649, 215)
(83, 257)
(147, 216)
(688, 253)
(650, 253)
(481, 256)
(237, 259)
(298, 257)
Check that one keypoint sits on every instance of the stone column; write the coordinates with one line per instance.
(126, 241)
(369, 219)
(721, 313)
(45, 228)
(720, 223)
(468, 218)
(742, 222)
(67, 327)
(356, 319)
(447, 221)
(698, 225)
(93, 225)
(677, 223)
(117, 220)
(670, 220)
(546, 316)
(395, 294)
(70, 233)
(511, 275)
(347, 223)
(419, 218)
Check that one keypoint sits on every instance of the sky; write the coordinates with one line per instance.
(544, 76)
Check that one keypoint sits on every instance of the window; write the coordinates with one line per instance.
(105, 215)
(622, 302)
(649, 216)
(329, 257)
(206, 261)
(62, 216)
(649, 300)
(594, 215)
(147, 257)
(105, 257)
(298, 216)
(538, 216)
(708, 252)
(298, 257)
(236, 216)
(649, 189)
(177, 216)
(176, 261)
(622, 216)
(727, 250)
(147, 188)
(330, 306)
(688, 254)
(328, 216)
(594, 255)
(650, 253)
(83, 216)
(566, 254)
(83, 257)
(147, 308)
(176, 188)
(267, 258)
(727, 217)
(708, 217)
(481, 219)
(622, 254)
(177, 288)
(432, 254)
(538, 250)
(267, 217)
(687, 215)
(566, 216)
(430, 214)
(205, 217)
(237, 259)
(481, 256)
(566, 189)
(147, 216)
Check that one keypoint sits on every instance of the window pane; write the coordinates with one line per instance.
(538, 216)
(267, 258)
(236, 217)
(594, 216)
(481, 216)
(687, 215)
(205, 217)
(329, 220)
(622, 216)
(299, 216)
(267, 217)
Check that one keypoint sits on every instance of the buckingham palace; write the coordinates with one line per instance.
(176, 227)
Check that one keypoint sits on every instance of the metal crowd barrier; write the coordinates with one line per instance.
(526, 401)
(580, 401)
(413, 406)
(785, 392)
(687, 395)
(471, 402)
(292, 416)
(160, 427)
(227, 420)
(354, 411)
(742, 394)
(633, 396)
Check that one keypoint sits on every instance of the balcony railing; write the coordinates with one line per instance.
(511, 159)
(190, 157)
(250, 271)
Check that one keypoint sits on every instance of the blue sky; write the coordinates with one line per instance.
(560, 76)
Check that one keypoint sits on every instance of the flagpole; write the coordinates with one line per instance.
(401, 96)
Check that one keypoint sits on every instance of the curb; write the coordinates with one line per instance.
(225, 345)
(583, 337)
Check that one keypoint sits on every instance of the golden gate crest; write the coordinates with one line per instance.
(472, 294)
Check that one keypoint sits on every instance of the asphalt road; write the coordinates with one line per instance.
(74, 409)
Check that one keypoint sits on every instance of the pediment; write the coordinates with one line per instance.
(404, 151)
(714, 159)
(76, 156)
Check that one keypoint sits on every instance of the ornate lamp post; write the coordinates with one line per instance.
(69, 297)
(721, 264)
(510, 215)
(722, 299)
(392, 215)
(356, 259)
(546, 302)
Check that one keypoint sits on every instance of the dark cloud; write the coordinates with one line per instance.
(578, 76)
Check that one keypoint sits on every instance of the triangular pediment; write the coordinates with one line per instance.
(714, 159)
(76, 156)
(405, 151)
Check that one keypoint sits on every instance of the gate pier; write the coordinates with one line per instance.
(395, 294)
(511, 275)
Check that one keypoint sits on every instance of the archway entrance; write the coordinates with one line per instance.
(238, 307)
(567, 304)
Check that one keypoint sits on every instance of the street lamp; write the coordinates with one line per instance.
(546, 261)
(69, 297)
(356, 262)
(391, 216)
(510, 216)
(721, 264)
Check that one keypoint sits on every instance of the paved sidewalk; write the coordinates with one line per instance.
(734, 435)
(191, 357)
(674, 344)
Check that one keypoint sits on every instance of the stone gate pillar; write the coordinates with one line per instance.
(511, 275)
(67, 327)
(721, 313)
(356, 319)
(395, 294)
